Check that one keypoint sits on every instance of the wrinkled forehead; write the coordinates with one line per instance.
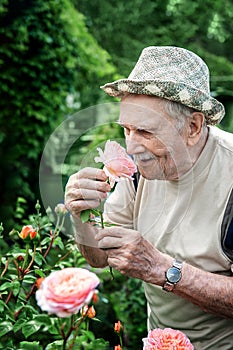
(144, 112)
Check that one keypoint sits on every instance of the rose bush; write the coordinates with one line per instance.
(40, 256)
(64, 292)
(117, 162)
(166, 339)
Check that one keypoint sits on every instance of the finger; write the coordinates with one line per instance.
(88, 184)
(76, 207)
(92, 173)
(108, 242)
(84, 194)
(108, 232)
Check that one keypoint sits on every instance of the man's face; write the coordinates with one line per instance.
(152, 137)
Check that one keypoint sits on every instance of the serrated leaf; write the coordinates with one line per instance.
(85, 215)
(5, 327)
(30, 328)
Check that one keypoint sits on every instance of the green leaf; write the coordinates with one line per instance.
(85, 215)
(30, 328)
(35, 345)
(39, 259)
(5, 327)
(3, 306)
(29, 279)
(15, 288)
(43, 320)
(45, 241)
(58, 241)
(39, 273)
(56, 345)
(6, 285)
(18, 325)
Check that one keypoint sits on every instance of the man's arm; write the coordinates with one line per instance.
(132, 255)
(213, 293)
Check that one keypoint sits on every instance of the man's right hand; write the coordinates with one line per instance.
(85, 190)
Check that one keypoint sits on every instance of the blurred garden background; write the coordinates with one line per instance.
(54, 56)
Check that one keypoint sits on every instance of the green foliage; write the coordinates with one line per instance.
(22, 324)
(126, 295)
(46, 56)
(206, 27)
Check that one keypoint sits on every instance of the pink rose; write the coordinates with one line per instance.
(166, 339)
(116, 162)
(64, 292)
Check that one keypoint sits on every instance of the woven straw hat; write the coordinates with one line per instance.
(175, 74)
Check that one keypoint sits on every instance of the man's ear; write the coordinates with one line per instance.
(196, 123)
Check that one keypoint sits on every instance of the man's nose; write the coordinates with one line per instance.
(133, 145)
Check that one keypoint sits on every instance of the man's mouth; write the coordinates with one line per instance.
(143, 159)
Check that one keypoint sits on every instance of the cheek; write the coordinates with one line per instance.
(156, 147)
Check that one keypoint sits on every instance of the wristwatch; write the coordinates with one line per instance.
(173, 276)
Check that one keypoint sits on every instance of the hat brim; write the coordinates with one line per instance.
(212, 109)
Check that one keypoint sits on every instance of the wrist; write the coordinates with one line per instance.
(173, 275)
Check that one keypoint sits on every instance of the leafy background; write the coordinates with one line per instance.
(54, 55)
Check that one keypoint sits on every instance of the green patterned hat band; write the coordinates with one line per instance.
(175, 74)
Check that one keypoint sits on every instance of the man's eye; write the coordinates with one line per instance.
(144, 132)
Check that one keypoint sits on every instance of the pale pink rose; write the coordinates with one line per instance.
(64, 292)
(166, 339)
(116, 162)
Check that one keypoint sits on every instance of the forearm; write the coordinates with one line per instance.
(211, 292)
(85, 239)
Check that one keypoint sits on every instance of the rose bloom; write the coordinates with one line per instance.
(166, 339)
(118, 327)
(65, 292)
(116, 162)
(28, 230)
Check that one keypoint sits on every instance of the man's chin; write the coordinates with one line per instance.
(149, 175)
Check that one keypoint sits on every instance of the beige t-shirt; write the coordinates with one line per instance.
(183, 219)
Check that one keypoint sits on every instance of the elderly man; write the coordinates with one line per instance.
(175, 231)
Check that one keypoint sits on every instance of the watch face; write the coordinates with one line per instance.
(173, 275)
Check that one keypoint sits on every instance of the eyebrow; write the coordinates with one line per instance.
(138, 127)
